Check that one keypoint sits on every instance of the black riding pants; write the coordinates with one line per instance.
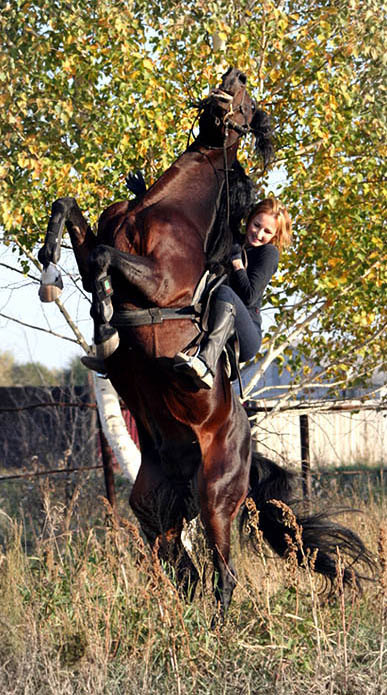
(248, 331)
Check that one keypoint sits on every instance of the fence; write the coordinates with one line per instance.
(339, 433)
(47, 431)
(47, 427)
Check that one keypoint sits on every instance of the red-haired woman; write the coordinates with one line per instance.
(236, 307)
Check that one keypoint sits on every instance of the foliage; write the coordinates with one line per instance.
(27, 374)
(6, 364)
(75, 374)
(94, 89)
(36, 374)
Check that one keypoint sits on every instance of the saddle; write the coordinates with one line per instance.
(198, 311)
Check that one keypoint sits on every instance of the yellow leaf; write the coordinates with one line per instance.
(332, 262)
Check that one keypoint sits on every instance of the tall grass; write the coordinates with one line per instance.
(89, 609)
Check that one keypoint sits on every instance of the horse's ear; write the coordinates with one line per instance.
(262, 129)
(136, 183)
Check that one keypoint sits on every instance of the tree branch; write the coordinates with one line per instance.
(39, 328)
(79, 337)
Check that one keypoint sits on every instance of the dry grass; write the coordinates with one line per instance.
(90, 610)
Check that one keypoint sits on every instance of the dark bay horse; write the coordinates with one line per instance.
(195, 444)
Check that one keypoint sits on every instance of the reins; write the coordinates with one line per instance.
(228, 124)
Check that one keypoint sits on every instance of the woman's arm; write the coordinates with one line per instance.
(250, 284)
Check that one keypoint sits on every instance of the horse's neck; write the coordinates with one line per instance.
(194, 180)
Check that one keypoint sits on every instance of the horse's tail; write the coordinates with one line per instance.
(315, 538)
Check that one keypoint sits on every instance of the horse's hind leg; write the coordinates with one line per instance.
(65, 212)
(160, 512)
(223, 485)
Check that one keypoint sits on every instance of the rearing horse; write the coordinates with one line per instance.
(195, 444)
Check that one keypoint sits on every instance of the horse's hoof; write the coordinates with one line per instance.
(194, 368)
(108, 346)
(94, 363)
(51, 284)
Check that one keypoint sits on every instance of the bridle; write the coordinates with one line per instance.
(227, 119)
(229, 124)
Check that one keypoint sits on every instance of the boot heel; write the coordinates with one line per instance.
(194, 368)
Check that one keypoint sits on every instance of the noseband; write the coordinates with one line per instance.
(227, 119)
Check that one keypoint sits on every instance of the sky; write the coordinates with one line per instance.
(19, 300)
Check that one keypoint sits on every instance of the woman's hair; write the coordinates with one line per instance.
(274, 207)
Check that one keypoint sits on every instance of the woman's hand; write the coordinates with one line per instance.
(236, 257)
(238, 264)
(236, 252)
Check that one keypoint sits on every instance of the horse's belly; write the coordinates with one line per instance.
(161, 340)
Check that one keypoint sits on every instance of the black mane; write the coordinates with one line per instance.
(240, 193)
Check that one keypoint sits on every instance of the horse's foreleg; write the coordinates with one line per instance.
(106, 337)
(65, 212)
(139, 271)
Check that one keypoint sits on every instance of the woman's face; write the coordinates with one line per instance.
(261, 229)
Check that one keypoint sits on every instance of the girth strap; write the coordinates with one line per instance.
(147, 317)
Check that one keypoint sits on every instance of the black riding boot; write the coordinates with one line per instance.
(202, 366)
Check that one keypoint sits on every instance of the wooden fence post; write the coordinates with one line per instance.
(305, 457)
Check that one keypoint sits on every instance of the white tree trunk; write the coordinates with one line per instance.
(114, 428)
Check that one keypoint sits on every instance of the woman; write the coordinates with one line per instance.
(237, 307)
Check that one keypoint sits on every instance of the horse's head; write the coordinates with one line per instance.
(229, 112)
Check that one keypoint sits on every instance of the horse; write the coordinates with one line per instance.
(146, 268)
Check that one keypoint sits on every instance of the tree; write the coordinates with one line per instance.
(27, 374)
(75, 374)
(6, 364)
(94, 89)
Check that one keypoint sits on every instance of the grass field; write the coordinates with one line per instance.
(85, 608)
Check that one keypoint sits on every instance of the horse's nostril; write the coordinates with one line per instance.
(242, 78)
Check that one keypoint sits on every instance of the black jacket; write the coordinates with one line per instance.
(250, 283)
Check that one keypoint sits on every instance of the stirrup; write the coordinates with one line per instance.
(194, 367)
